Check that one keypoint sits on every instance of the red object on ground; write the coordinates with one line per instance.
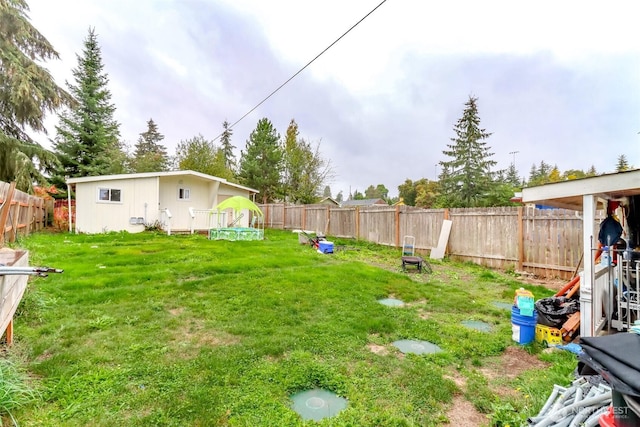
(606, 419)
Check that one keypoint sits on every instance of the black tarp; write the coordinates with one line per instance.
(616, 358)
(554, 311)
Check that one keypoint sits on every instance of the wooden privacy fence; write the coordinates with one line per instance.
(20, 213)
(544, 242)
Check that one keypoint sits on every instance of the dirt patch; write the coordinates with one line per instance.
(553, 284)
(189, 338)
(513, 362)
(176, 311)
(464, 414)
(424, 315)
(378, 349)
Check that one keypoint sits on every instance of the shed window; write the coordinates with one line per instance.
(109, 195)
(184, 193)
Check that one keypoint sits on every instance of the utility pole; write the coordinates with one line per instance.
(514, 157)
(435, 172)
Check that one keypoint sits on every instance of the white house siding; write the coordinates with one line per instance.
(201, 196)
(95, 216)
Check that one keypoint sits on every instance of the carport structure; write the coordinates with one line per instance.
(599, 299)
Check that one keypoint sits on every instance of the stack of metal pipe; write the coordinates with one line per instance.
(580, 404)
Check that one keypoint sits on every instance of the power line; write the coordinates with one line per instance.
(302, 69)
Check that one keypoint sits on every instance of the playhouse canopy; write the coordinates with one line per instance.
(237, 203)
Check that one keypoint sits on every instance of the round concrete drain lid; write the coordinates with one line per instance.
(317, 404)
(417, 347)
(502, 305)
(391, 302)
(477, 325)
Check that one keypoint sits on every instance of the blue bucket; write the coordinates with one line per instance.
(523, 328)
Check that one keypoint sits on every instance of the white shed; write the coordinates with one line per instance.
(176, 200)
(609, 295)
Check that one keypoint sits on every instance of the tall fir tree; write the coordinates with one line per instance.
(622, 163)
(539, 175)
(512, 177)
(149, 154)
(87, 141)
(466, 179)
(27, 94)
(327, 191)
(261, 161)
(227, 147)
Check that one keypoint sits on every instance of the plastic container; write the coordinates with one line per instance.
(523, 328)
(524, 301)
(325, 247)
(605, 258)
(606, 419)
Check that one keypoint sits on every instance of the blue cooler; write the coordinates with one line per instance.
(325, 247)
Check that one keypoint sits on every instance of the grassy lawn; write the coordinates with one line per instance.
(149, 329)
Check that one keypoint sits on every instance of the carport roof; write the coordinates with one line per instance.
(568, 194)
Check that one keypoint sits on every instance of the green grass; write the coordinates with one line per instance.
(149, 329)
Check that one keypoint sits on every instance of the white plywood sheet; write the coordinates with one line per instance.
(438, 252)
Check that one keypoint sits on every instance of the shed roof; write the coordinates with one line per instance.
(568, 194)
(191, 173)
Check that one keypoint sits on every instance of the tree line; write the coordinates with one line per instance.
(467, 176)
(87, 139)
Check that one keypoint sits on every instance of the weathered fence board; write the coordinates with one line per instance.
(20, 213)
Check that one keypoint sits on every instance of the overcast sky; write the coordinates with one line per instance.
(555, 81)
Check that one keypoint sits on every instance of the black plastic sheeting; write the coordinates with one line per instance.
(615, 357)
(554, 311)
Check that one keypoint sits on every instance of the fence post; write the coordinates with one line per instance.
(266, 214)
(6, 206)
(397, 221)
(284, 216)
(304, 217)
(328, 226)
(357, 222)
(30, 215)
(520, 238)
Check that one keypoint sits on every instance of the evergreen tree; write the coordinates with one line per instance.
(27, 94)
(326, 192)
(87, 141)
(261, 161)
(622, 164)
(467, 179)
(592, 171)
(227, 147)
(357, 195)
(149, 154)
(339, 197)
(512, 177)
(540, 175)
